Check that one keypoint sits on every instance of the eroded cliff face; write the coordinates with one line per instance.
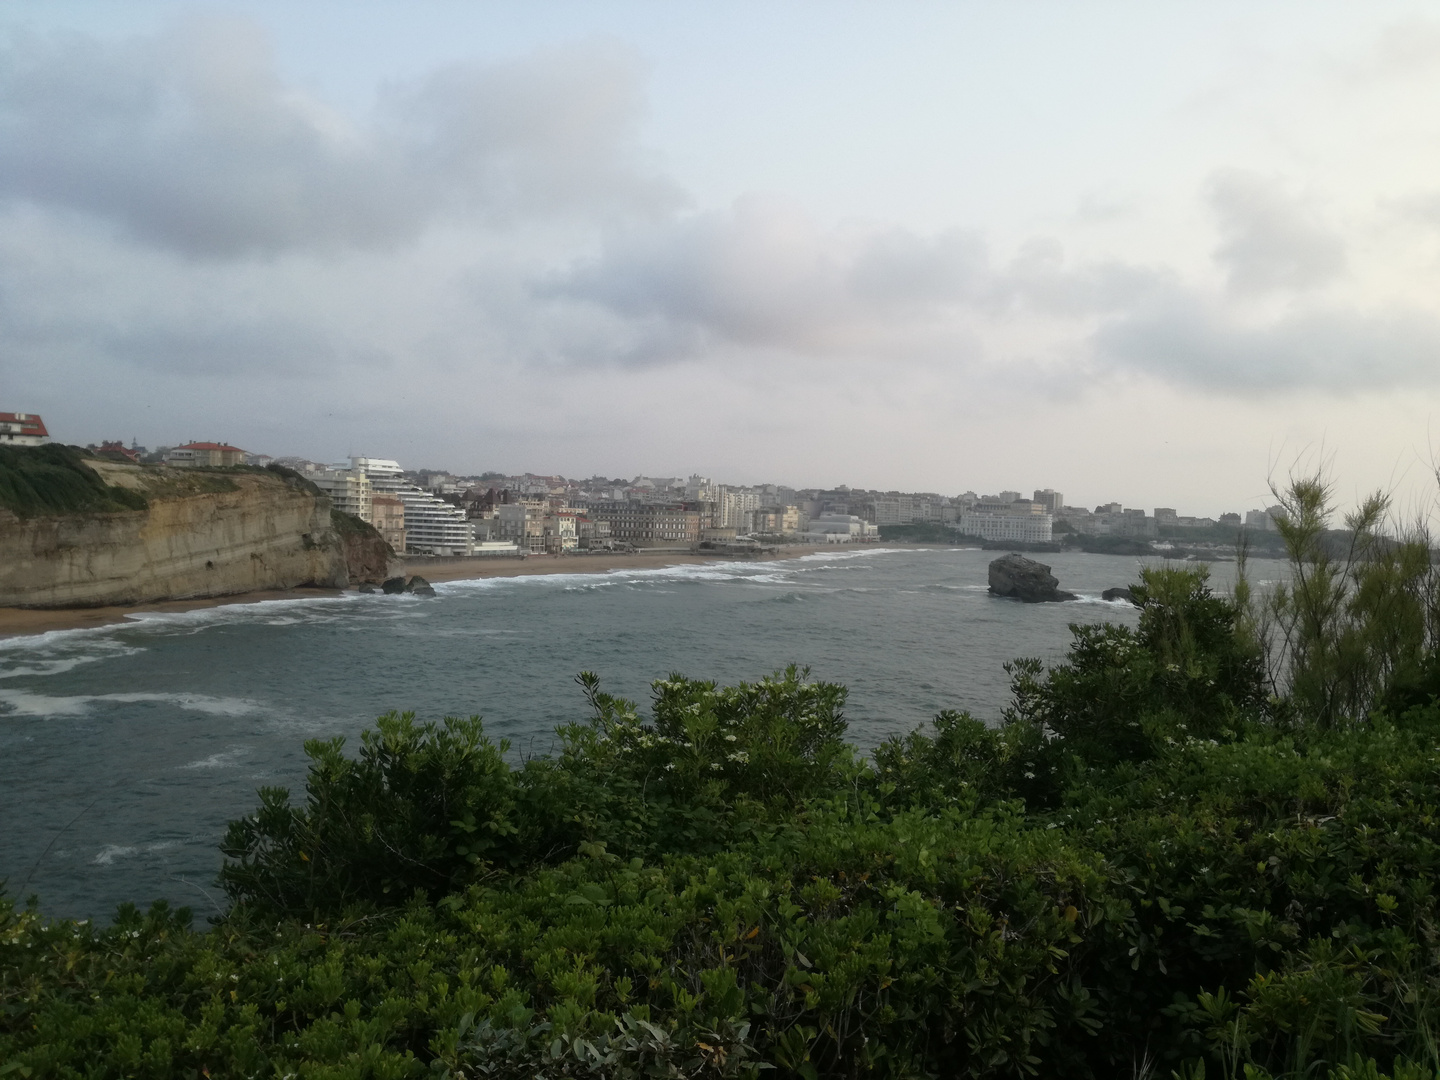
(248, 531)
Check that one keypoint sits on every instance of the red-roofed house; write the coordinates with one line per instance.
(22, 429)
(117, 447)
(205, 453)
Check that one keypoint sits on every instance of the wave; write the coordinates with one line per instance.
(15, 703)
(66, 655)
(110, 852)
(833, 556)
(585, 582)
(222, 760)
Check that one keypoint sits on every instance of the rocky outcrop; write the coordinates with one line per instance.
(418, 586)
(368, 558)
(200, 534)
(1119, 594)
(1025, 579)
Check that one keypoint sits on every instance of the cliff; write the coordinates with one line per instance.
(155, 533)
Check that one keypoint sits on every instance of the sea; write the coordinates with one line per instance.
(125, 750)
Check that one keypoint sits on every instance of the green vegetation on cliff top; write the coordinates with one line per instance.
(54, 479)
(38, 481)
(1204, 847)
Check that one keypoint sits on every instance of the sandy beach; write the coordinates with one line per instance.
(22, 621)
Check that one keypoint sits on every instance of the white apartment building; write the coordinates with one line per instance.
(432, 526)
(736, 510)
(349, 490)
(1021, 521)
(840, 529)
(907, 509)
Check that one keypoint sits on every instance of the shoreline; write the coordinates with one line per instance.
(28, 622)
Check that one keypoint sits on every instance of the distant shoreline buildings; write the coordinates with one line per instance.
(433, 512)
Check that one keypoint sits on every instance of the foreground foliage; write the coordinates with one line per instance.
(1151, 867)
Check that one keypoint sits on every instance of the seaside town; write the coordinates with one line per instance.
(437, 513)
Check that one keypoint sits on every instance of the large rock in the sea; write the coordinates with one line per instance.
(391, 586)
(1119, 594)
(1025, 579)
(418, 586)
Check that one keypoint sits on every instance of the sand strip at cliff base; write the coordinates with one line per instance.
(22, 621)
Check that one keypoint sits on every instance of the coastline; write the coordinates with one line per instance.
(26, 622)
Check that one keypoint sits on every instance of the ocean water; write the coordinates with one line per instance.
(125, 750)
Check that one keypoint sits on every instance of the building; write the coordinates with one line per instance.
(387, 514)
(1264, 519)
(779, 521)
(209, 455)
(1016, 521)
(22, 429)
(834, 528)
(432, 525)
(521, 522)
(349, 490)
(650, 524)
(591, 533)
(1050, 499)
(115, 446)
(736, 510)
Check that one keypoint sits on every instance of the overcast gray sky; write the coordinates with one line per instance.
(1144, 252)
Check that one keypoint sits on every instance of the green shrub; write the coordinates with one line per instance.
(1149, 867)
(54, 479)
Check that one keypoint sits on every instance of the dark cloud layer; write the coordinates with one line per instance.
(1193, 343)
(190, 141)
(1268, 241)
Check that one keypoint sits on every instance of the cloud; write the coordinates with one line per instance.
(1190, 342)
(1268, 242)
(764, 274)
(190, 141)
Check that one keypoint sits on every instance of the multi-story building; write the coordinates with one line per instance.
(736, 509)
(205, 455)
(591, 533)
(835, 528)
(432, 526)
(1264, 519)
(559, 530)
(1050, 499)
(387, 514)
(1016, 520)
(650, 524)
(780, 521)
(349, 490)
(22, 429)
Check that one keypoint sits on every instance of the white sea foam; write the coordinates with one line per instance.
(835, 556)
(58, 657)
(222, 760)
(26, 703)
(688, 572)
(110, 852)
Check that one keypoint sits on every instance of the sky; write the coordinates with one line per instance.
(1155, 254)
